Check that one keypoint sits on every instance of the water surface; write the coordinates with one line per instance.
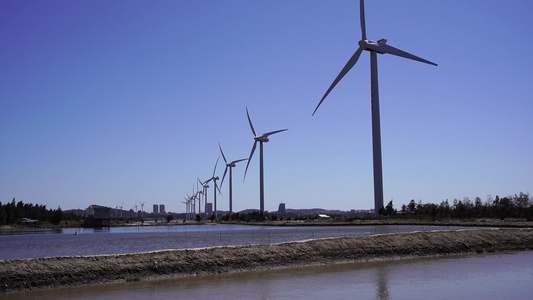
(122, 240)
(492, 276)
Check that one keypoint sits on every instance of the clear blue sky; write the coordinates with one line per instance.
(111, 102)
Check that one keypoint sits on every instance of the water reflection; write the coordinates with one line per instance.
(382, 284)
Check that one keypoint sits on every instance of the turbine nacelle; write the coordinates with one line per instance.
(372, 45)
(262, 139)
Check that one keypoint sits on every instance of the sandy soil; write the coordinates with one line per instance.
(17, 275)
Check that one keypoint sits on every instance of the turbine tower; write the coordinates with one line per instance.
(374, 48)
(229, 166)
(261, 139)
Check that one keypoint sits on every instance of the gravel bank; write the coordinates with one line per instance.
(17, 275)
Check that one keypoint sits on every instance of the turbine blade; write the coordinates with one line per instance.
(250, 121)
(224, 176)
(363, 22)
(273, 132)
(238, 160)
(343, 72)
(217, 188)
(249, 159)
(384, 48)
(222, 152)
(215, 166)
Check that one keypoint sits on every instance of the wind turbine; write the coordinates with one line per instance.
(121, 206)
(229, 166)
(374, 48)
(187, 203)
(142, 209)
(135, 208)
(261, 139)
(214, 178)
(190, 206)
(205, 186)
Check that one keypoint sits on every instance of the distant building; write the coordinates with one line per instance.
(162, 209)
(25, 221)
(209, 209)
(101, 216)
(156, 209)
(281, 209)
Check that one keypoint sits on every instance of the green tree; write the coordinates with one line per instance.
(170, 217)
(444, 209)
(3, 215)
(412, 206)
(389, 209)
(56, 216)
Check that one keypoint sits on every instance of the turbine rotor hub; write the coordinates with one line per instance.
(372, 45)
(262, 139)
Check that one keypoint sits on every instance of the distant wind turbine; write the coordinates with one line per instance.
(229, 166)
(187, 206)
(374, 48)
(214, 178)
(261, 139)
(205, 186)
(142, 209)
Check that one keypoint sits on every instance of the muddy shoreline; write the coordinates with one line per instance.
(42, 273)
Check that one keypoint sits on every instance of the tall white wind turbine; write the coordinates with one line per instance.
(261, 139)
(230, 166)
(374, 48)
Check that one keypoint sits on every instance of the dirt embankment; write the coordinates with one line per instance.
(66, 271)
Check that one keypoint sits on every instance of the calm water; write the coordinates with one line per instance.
(495, 276)
(120, 240)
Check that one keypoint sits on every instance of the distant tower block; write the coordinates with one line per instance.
(156, 209)
(209, 209)
(281, 209)
(162, 209)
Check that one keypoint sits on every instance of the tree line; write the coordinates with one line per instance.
(13, 211)
(517, 206)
